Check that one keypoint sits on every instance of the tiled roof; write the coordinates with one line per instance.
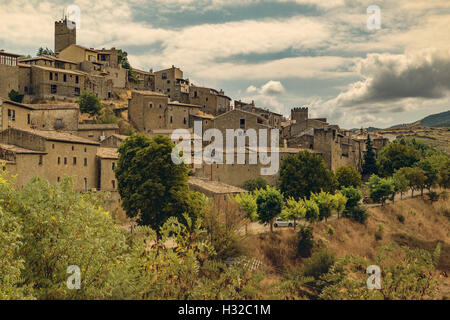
(54, 106)
(149, 93)
(57, 136)
(78, 73)
(98, 126)
(214, 186)
(107, 153)
(20, 150)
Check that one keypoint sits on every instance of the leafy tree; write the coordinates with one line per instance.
(431, 173)
(151, 186)
(123, 61)
(380, 189)
(90, 103)
(370, 163)
(401, 183)
(247, 203)
(312, 210)
(441, 163)
(270, 205)
(303, 173)
(47, 52)
(416, 178)
(305, 241)
(255, 184)
(338, 202)
(353, 209)
(15, 96)
(293, 210)
(324, 201)
(395, 156)
(318, 264)
(347, 176)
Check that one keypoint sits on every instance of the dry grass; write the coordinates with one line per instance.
(424, 226)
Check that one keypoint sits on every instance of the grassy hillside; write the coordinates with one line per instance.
(437, 120)
(415, 223)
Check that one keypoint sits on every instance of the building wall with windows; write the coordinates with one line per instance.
(9, 73)
(53, 155)
(14, 115)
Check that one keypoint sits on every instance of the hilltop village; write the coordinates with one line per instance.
(46, 135)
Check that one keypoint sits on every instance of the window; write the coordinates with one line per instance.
(113, 182)
(76, 79)
(85, 150)
(65, 160)
(56, 76)
(85, 162)
(171, 119)
(59, 160)
(168, 81)
(41, 160)
(53, 89)
(59, 124)
(85, 184)
(28, 119)
(53, 146)
(77, 91)
(74, 161)
(51, 76)
(59, 179)
(65, 78)
(168, 89)
(184, 120)
(113, 165)
(150, 105)
(242, 124)
(73, 148)
(164, 76)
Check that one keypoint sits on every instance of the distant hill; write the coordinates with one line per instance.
(435, 120)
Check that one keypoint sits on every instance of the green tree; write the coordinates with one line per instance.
(293, 210)
(338, 202)
(369, 165)
(270, 205)
(416, 178)
(353, 209)
(303, 173)
(324, 201)
(151, 186)
(380, 189)
(247, 203)
(312, 210)
(347, 176)
(90, 103)
(255, 184)
(431, 173)
(15, 96)
(395, 156)
(401, 183)
(41, 52)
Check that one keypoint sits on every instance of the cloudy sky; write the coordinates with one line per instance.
(280, 53)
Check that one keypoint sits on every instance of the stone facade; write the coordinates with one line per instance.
(65, 34)
(97, 132)
(14, 115)
(212, 101)
(273, 119)
(9, 73)
(50, 155)
(60, 117)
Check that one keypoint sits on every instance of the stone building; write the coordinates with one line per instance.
(149, 110)
(97, 131)
(60, 117)
(14, 115)
(146, 80)
(106, 163)
(9, 73)
(212, 101)
(65, 34)
(273, 119)
(171, 83)
(50, 155)
(113, 141)
(219, 192)
(237, 174)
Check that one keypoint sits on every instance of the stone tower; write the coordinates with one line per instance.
(64, 36)
(299, 114)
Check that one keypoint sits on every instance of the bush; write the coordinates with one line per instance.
(444, 195)
(255, 184)
(433, 196)
(330, 230)
(379, 232)
(319, 263)
(348, 176)
(15, 96)
(305, 241)
(401, 218)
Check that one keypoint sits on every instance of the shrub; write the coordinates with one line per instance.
(444, 195)
(319, 263)
(330, 230)
(433, 196)
(379, 232)
(255, 184)
(305, 241)
(358, 214)
(401, 218)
